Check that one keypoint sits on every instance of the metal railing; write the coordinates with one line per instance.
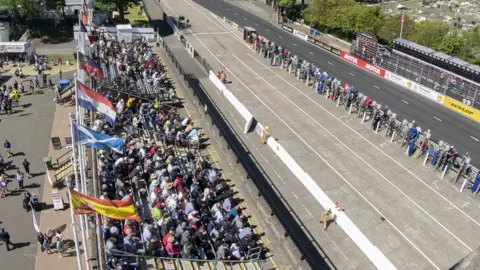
(398, 131)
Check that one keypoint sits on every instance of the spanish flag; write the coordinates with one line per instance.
(124, 209)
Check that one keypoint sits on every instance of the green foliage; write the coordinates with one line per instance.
(286, 4)
(114, 5)
(429, 33)
(21, 9)
(54, 4)
(344, 18)
(390, 28)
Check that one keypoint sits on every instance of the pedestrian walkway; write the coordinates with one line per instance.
(51, 218)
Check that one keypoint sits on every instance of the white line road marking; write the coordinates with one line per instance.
(465, 205)
(376, 86)
(307, 210)
(351, 74)
(267, 30)
(361, 136)
(280, 36)
(474, 138)
(227, 9)
(330, 63)
(405, 101)
(354, 153)
(438, 119)
(295, 195)
(245, 19)
(310, 53)
(382, 144)
(320, 156)
(236, 13)
(343, 116)
(257, 25)
(295, 45)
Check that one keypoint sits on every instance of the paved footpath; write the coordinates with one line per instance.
(417, 220)
(59, 219)
(29, 130)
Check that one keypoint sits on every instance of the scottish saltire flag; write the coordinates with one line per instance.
(88, 137)
(90, 66)
(91, 100)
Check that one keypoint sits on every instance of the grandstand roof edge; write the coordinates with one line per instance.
(433, 52)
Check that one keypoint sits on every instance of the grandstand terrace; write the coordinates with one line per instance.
(190, 216)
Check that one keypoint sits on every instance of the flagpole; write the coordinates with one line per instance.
(75, 238)
(401, 26)
(83, 220)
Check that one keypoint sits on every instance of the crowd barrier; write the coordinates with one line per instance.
(395, 130)
(422, 90)
(371, 251)
(242, 110)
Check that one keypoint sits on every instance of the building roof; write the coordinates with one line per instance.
(453, 60)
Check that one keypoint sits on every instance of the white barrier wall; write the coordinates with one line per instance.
(233, 100)
(415, 87)
(370, 250)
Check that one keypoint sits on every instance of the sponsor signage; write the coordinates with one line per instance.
(360, 63)
(286, 28)
(461, 108)
(337, 52)
(300, 35)
(415, 87)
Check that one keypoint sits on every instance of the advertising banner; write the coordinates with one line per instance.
(415, 87)
(360, 63)
(286, 28)
(300, 35)
(461, 108)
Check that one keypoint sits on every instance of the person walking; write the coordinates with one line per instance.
(37, 82)
(46, 245)
(60, 246)
(26, 167)
(44, 77)
(6, 146)
(19, 177)
(5, 237)
(41, 239)
(326, 218)
(3, 185)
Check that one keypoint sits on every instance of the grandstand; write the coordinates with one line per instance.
(448, 75)
(190, 216)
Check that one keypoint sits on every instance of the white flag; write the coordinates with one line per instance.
(81, 43)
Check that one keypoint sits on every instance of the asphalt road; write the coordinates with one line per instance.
(444, 124)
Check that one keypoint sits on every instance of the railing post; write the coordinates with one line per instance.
(426, 158)
(338, 101)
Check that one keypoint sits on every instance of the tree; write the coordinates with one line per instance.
(21, 9)
(114, 5)
(286, 4)
(346, 20)
(318, 8)
(452, 44)
(390, 28)
(429, 33)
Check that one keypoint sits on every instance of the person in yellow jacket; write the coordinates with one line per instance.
(15, 96)
(326, 217)
(265, 134)
(130, 102)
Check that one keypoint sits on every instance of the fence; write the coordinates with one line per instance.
(396, 131)
(228, 141)
(428, 75)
